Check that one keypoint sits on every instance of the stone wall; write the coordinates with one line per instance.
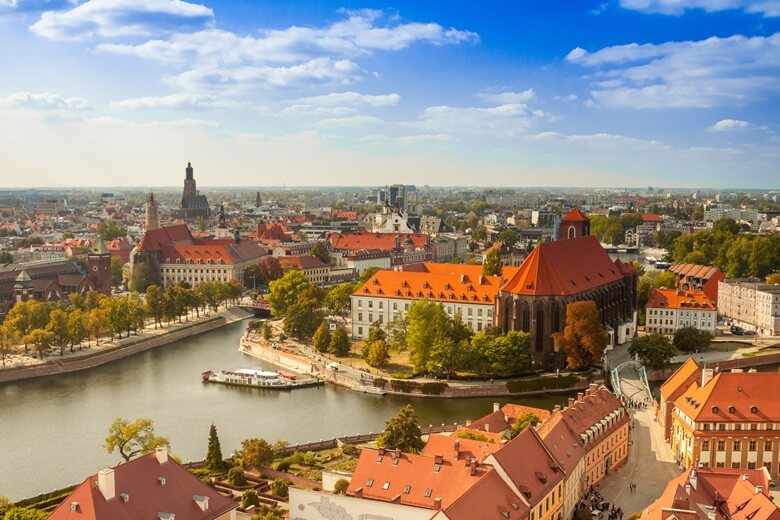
(63, 366)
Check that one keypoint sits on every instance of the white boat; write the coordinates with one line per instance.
(368, 389)
(257, 378)
(651, 259)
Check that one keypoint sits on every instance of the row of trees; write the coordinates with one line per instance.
(46, 325)
(656, 351)
(736, 254)
(612, 230)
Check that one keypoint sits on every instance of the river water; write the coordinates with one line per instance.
(52, 429)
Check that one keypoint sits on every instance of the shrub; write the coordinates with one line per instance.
(250, 498)
(297, 458)
(283, 465)
(472, 435)
(253, 325)
(403, 386)
(340, 487)
(309, 459)
(350, 450)
(279, 487)
(541, 383)
(282, 337)
(380, 382)
(433, 388)
(236, 477)
(402, 375)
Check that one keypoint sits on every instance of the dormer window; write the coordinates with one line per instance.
(370, 482)
(407, 489)
(386, 485)
(753, 409)
(428, 492)
(715, 409)
(732, 409)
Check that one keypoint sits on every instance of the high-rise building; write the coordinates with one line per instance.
(193, 204)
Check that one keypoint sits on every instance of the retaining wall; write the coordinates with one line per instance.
(63, 366)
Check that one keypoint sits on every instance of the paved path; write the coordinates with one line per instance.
(650, 462)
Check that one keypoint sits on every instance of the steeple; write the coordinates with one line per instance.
(152, 213)
(190, 187)
(258, 201)
(222, 229)
(188, 171)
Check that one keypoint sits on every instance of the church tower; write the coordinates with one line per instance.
(574, 225)
(258, 200)
(222, 228)
(99, 267)
(190, 188)
(152, 213)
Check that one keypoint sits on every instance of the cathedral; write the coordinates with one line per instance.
(193, 204)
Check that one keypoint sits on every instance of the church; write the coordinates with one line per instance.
(193, 204)
(574, 268)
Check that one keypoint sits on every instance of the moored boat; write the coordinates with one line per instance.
(366, 389)
(257, 378)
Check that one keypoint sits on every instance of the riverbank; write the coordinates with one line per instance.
(306, 360)
(112, 351)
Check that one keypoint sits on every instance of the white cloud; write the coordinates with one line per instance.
(119, 18)
(768, 8)
(501, 121)
(503, 98)
(172, 102)
(44, 102)
(352, 121)
(424, 138)
(350, 99)
(689, 74)
(724, 125)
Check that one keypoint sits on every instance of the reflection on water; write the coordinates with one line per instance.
(52, 429)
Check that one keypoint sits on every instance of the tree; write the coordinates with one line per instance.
(492, 265)
(339, 298)
(339, 342)
(340, 487)
(583, 339)
(58, 326)
(280, 487)
(9, 338)
(508, 237)
(249, 498)
(214, 460)
(236, 477)
(773, 278)
(321, 338)
(690, 339)
(77, 327)
(133, 438)
(25, 513)
(270, 269)
(378, 353)
(139, 277)
(40, 339)
(96, 324)
(525, 420)
(285, 291)
(367, 274)
(268, 332)
(6, 258)
(20, 319)
(302, 319)
(653, 350)
(402, 432)
(426, 326)
(320, 251)
(116, 271)
(110, 230)
(496, 354)
(5, 505)
(256, 453)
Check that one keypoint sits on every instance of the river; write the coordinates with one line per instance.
(52, 429)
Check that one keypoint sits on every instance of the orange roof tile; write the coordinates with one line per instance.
(673, 299)
(564, 267)
(444, 445)
(733, 397)
(575, 215)
(489, 499)
(680, 380)
(562, 442)
(515, 411)
(367, 240)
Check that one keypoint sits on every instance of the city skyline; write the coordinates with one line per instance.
(618, 93)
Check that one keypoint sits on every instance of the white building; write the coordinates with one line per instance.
(751, 304)
(672, 309)
(364, 259)
(461, 289)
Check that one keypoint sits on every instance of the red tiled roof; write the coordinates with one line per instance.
(529, 465)
(672, 299)
(489, 499)
(744, 391)
(562, 442)
(386, 479)
(594, 407)
(564, 267)
(515, 411)
(444, 445)
(176, 243)
(650, 217)
(678, 381)
(575, 215)
(302, 262)
(367, 240)
(147, 496)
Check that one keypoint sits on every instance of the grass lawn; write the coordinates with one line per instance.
(728, 346)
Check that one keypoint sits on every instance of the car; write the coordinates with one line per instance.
(596, 514)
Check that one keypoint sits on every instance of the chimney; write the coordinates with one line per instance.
(580, 396)
(759, 489)
(473, 467)
(457, 448)
(752, 370)
(106, 483)
(570, 401)
(736, 371)
(557, 408)
(496, 407)
(692, 479)
(161, 453)
(688, 488)
(201, 501)
(359, 492)
(593, 387)
(437, 504)
(706, 375)
(487, 427)
(745, 476)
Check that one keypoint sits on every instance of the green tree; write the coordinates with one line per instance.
(109, 229)
(340, 487)
(284, 291)
(339, 342)
(320, 251)
(58, 327)
(9, 338)
(41, 340)
(492, 265)
(116, 271)
(338, 299)
(690, 339)
(139, 277)
(236, 477)
(402, 432)
(302, 320)
(133, 438)
(508, 237)
(367, 274)
(77, 327)
(214, 460)
(270, 269)
(321, 338)
(6, 258)
(249, 498)
(502, 355)
(25, 513)
(268, 332)
(697, 213)
(256, 453)
(520, 424)
(280, 487)
(583, 339)
(426, 327)
(378, 353)
(653, 350)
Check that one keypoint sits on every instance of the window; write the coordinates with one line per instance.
(752, 446)
(721, 445)
(737, 446)
(370, 304)
(735, 465)
(705, 426)
(428, 492)
(721, 427)
(751, 465)
(370, 482)
(386, 485)
(360, 316)
(767, 445)
(705, 445)
(407, 489)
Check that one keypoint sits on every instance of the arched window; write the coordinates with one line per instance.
(525, 322)
(572, 232)
(539, 330)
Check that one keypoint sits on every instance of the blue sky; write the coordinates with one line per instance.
(678, 93)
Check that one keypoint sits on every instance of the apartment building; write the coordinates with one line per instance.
(750, 304)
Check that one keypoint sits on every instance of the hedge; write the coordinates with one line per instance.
(541, 383)
(433, 388)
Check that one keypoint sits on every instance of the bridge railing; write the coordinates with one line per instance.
(641, 370)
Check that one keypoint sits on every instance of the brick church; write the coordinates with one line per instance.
(571, 269)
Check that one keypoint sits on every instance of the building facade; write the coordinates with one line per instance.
(671, 309)
(315, 270)
(750, 304)
(193, 204)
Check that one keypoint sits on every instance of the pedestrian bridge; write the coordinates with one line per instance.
(629, 379)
